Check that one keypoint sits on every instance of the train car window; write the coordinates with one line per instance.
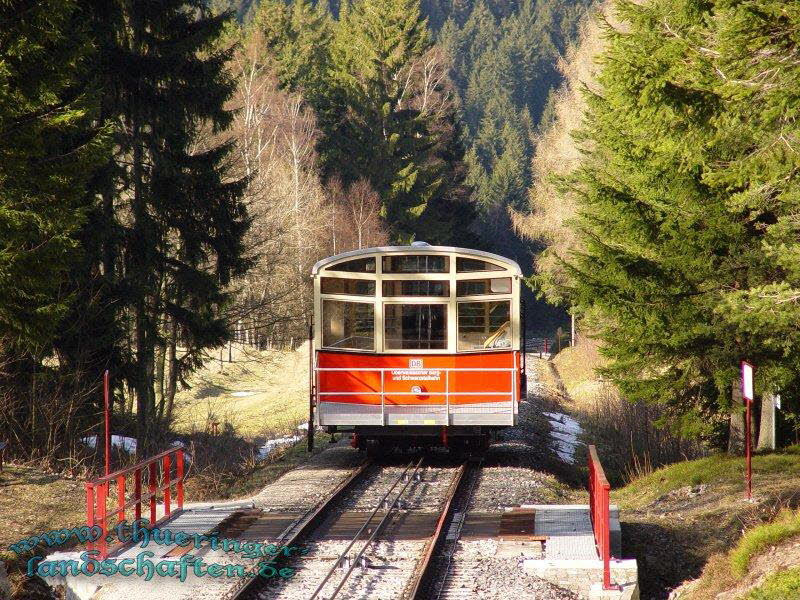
(416, 263)
(416, 288)
(359, 265)
(356, 287)
(477, 287)
(415, 326)
(484, 325)
(471, 265)
(348, 325)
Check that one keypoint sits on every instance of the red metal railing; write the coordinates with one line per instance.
(98, 492)
(601, 515)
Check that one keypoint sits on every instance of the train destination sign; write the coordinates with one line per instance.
(416, 375)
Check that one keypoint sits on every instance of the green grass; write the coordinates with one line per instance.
(779, 586)
(756, 540)
(716, 469)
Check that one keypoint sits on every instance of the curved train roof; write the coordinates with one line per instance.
(416, 247)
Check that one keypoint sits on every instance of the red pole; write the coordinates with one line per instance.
(108, 423)
(137, 492)
(102, 518)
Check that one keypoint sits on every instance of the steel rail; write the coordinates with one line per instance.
(446, 571)
(369, 541)
(425, 567)
(305, 524)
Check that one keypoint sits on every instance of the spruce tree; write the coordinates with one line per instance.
(371, 127)
(674, 224)
(48, 144)
(171, 219)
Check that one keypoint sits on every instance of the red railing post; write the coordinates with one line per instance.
(97, 493)
(137, 493)
(102, 495)
(90, 511)
(179, 467)
(167, 481)
(121, 497)
(151, 484)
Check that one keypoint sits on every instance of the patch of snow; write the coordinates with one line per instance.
(271, 445)
(242, 394)
(565, 432)
(303, 427)
(127, 444)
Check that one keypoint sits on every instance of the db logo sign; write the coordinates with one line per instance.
(416, 389)
(415, 363)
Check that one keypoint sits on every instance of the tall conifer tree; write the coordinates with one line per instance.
(48, 144)
(171, 221)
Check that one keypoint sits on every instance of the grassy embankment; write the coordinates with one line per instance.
(689, 520)
(260, 393)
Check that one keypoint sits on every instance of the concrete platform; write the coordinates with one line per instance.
(570, 557)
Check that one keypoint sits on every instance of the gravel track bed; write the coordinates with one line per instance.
(303, 487)
(476, 573)
(427, 494)
(390, 566)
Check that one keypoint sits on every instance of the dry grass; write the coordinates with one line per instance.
(33, 501)
(576, 366)
(259, 393)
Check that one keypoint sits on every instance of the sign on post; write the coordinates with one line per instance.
(747, 381)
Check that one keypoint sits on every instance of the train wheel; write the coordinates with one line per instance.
(375, 449)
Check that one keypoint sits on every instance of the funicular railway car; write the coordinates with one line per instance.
(417, 346)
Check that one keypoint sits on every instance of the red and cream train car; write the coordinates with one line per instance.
(417, 345)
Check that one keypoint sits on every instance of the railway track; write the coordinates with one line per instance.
(296, 533)
(439, 579)
(386, 557)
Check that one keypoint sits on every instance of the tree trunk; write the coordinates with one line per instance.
(736, 428)
(766, 437)
(160, 358)
(172, 382)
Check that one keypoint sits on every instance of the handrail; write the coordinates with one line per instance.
(600, 513)
(97, 492)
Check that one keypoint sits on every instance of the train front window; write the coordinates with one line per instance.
(415, 326)
(471, 265)
(479, 287)
(358, 265)
(416, 263)
(484, 325)
(413, 287)
(355, 287)
(348, 325)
